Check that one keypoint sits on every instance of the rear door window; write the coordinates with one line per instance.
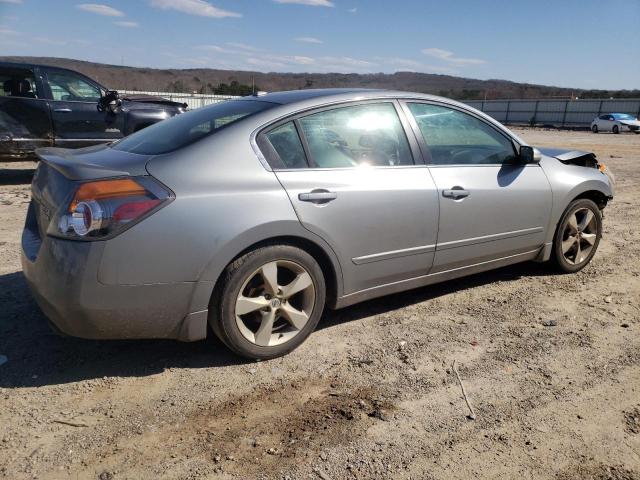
(18, 83)
(358, 135)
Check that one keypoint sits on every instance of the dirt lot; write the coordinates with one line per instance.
(370, 395)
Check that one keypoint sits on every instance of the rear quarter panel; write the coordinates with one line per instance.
(225, 201)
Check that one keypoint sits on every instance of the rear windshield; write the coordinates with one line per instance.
(186, 128)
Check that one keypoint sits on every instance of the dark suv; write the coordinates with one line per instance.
(49, 106)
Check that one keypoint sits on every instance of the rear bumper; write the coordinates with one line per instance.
(63, 278)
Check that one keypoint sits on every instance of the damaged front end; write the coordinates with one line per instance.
(580, 159)
(573, 157)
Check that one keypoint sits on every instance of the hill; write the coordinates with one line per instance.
(206, 80)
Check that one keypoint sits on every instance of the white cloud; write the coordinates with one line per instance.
(7, 31)
(353, 10)
(348, 62)
(309, 40)
(264, 63)
(194, 7)
(127, 24)
(311, 3)
(16, 2)
(212, 48)
(449, 57)
(100, 9)
(242, 46)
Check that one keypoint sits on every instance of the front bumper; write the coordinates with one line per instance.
(63, 278)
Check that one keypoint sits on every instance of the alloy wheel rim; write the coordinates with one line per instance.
(579, 236)
(275, 303)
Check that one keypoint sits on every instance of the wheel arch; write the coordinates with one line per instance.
(327, 265)
(283, 233)
(598, 197)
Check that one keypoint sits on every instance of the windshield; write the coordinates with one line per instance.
(623, 116)
(187, 128)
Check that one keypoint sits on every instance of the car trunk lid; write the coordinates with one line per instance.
(94, 162)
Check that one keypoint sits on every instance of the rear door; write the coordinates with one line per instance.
(491, 206)
(76, 120)
(25, 123)
(350, 174)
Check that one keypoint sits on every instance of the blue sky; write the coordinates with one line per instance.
(572, 43)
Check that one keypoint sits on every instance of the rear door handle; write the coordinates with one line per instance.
(318, 196)
(456, 193)
(62, 110)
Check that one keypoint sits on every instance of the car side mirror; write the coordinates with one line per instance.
(529, 154)
(110, 102)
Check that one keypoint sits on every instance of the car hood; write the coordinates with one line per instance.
(568, 156)
(142, 98)
(635, 123)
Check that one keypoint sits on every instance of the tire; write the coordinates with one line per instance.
(594, 128)
(615, 129)
(247, 284)
(568, 255)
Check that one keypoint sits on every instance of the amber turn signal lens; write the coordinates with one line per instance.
(602, 167)
(103, 189)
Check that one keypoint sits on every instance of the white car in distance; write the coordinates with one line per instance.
(616, 123)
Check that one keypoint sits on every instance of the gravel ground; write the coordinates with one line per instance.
(551, 365)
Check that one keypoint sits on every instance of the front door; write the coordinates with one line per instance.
(76, 119)
(353, 181)
(491, 206)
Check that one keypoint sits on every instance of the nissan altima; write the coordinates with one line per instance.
(253, 215)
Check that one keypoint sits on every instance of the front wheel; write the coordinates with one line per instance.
(577, 236)
(269, 302)
(594, 128)
(615, 129)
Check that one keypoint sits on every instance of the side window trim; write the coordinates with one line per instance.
(424, 148)
(410, 136)
(305, 145)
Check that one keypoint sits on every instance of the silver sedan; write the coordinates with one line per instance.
(252, 215)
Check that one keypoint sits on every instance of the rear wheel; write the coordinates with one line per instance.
(615, 129)
(270, 301)
(578, 235)
(594, 128)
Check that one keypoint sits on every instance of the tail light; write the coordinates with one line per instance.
(103, 208)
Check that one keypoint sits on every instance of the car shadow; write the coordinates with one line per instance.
(16, 176)
(400, 300)
(36, 356)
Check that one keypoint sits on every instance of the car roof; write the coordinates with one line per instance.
(37, 65)
(329, 95)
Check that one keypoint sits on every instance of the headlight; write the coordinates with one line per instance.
(103, 208)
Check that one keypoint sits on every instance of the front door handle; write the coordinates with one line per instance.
(63, 110)
(318, 196)
(456, 193)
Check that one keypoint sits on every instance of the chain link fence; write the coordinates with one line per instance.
(556, 113)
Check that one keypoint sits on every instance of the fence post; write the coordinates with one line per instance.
(600, 108)
(535, 114)
(564, 115)
(506, 118)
